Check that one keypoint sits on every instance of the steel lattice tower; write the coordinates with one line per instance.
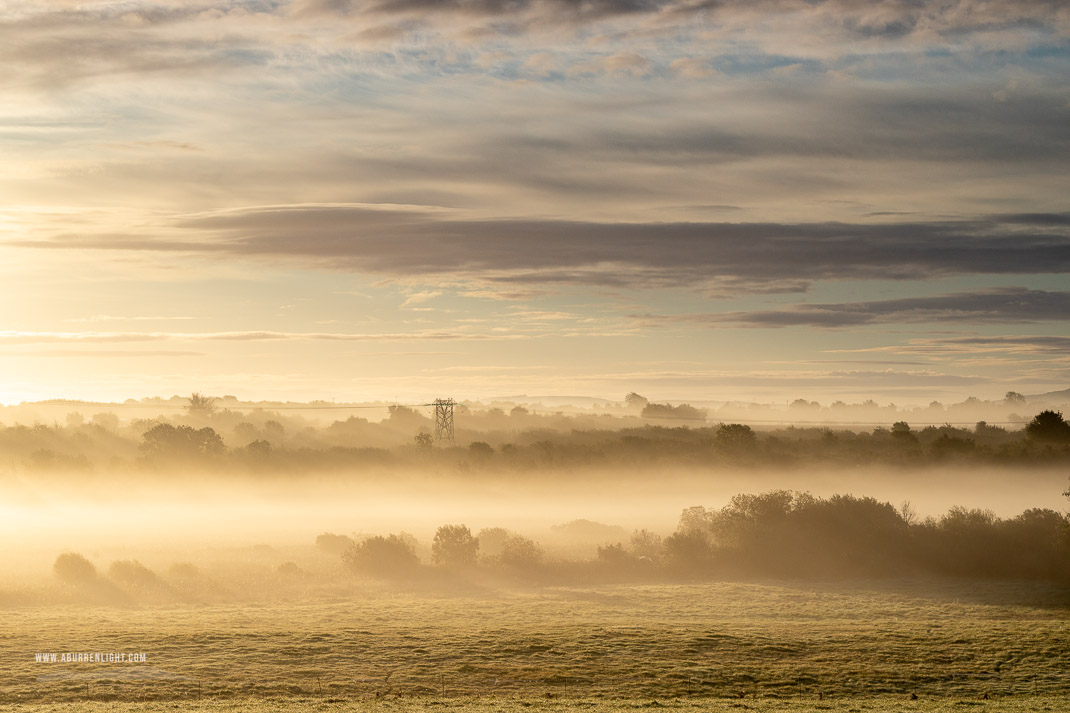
(444, 421)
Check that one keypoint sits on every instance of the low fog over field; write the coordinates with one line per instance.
(201, 475)
(621, 551)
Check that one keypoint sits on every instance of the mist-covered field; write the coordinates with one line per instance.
(617, 567)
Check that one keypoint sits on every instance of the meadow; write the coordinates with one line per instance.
(362, 645)
(214, 550)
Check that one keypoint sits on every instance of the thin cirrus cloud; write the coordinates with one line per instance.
(1000, 306)
(32, 337)
(411, 243)
(1046, 346)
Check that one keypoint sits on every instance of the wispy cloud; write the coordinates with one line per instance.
(28, 337)
(421, 297)
(116, 318)
(101, 353)
(1027, 345)
(999, 305)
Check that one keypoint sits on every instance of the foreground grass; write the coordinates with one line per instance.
(773, 646)
(884, 704)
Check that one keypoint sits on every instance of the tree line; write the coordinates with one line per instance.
(260, 443)
(780, 533)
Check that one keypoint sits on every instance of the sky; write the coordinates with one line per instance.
(409, 199)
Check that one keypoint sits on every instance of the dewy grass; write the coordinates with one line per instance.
(858, 645)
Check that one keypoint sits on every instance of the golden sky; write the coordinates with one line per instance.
(364, 199)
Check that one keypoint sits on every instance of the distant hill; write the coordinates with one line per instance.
(1063, 395)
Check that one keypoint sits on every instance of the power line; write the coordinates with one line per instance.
(161, 407)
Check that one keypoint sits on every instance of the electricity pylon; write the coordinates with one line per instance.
(444, 421)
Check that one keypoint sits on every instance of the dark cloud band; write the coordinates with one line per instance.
(758, 256)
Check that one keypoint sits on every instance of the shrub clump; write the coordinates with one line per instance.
(132, 572)
(390, 555)
(333, 544)
(74, 568)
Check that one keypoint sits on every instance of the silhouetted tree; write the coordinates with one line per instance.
(480, 450)
(454, 546)
(200, 405)
(1013, 398)
(636, 402)
(697, 519)
(163, 439)
(1049, 427)
(901, 431)
(645, 543)
(405, 417)
(734, 437)
(259, 448)
(107, 421)
(492, 541)
(616, 557)
(683, 412)
(520, 553)
(688, 549)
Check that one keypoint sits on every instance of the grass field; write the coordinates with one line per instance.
(862, 645)
(872, 704)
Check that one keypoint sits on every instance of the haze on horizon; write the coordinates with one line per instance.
(363, 199)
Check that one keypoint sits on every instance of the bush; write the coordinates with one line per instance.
(689, 549)
(520, 553)
(683, 412)
(394, 554)
(615, 557)
(132, 572)
(184, 570)
(289, 569)
(333, 544)
(73, 568)
(481, 450)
